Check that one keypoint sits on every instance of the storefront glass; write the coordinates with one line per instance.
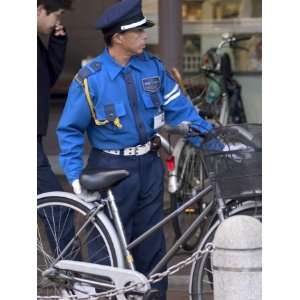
(204, 22)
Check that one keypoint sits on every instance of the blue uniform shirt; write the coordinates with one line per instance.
(156, 92)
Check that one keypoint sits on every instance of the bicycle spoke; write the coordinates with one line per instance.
(55, 233)
(64, 225)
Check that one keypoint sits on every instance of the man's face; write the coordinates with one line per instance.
(47, 22)
(134, 41)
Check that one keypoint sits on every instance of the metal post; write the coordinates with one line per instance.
(236, 261)
(170, 33)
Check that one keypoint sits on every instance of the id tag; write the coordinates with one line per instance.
(159, 120)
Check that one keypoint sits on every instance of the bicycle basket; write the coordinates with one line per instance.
(237, 168)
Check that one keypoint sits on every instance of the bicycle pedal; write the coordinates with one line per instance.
(152, 294)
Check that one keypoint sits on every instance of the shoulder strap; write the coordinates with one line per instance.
(87, 71)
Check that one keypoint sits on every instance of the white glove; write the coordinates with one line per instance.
(83, 193)
(76, 187)
(234, 147)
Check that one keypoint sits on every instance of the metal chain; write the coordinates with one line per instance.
(209, 248)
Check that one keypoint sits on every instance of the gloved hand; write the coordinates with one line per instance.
(235, 147)
(82, 193)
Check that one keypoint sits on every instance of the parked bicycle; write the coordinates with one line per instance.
(98, 255)
(217, 95)
(215, 91)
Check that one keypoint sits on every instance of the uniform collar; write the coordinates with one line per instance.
(137, 62)
(114, 69)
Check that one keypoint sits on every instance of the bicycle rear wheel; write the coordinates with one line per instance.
(191, 176)
(60, 216)
(201, 287)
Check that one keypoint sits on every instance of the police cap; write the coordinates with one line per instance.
(122, 16)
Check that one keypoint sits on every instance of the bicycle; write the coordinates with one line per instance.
(215, 93)
(110, 268)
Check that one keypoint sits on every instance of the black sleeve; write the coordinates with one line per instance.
(56, 56)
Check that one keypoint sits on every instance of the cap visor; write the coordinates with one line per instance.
(146, 25)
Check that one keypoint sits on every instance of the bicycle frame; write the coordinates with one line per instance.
(159, 225)
(175, 151)
(121, 276)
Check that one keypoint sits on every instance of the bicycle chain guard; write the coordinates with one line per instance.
(119, 276)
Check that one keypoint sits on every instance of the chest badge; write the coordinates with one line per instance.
(151, 84)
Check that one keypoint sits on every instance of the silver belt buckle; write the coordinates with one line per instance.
(138, 149)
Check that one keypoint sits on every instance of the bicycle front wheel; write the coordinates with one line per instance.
(61, 219)
(201, 285)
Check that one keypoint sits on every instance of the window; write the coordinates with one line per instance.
(197, 10)
(204, 21)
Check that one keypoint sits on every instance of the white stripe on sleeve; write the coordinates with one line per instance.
(172, 98)
(172, 92)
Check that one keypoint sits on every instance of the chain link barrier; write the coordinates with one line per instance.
(209, 248)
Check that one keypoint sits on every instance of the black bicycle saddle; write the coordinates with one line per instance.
(99, 181)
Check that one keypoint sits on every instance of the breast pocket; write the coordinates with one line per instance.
(151, 92)
(109, 114)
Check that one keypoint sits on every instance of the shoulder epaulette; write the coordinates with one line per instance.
(87, 71)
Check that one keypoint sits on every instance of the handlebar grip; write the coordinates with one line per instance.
(242, 38)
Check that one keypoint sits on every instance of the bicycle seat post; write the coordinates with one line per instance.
(119, 228)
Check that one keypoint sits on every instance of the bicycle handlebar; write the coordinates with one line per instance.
(243, 135)
(229, 40)
(242, 38)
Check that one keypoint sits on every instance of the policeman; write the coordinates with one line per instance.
(121, 99)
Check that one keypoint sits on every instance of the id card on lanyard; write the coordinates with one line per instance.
(152, 86)
(159, 120)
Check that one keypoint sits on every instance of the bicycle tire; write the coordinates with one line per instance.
(56, 211)
(190, 174)
(201, 284)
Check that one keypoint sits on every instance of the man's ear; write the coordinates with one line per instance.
(117, 38)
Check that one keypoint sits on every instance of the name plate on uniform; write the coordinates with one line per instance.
(151, 84)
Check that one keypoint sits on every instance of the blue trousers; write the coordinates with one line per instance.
(140, 202)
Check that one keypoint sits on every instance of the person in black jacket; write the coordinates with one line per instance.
(50, 62)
